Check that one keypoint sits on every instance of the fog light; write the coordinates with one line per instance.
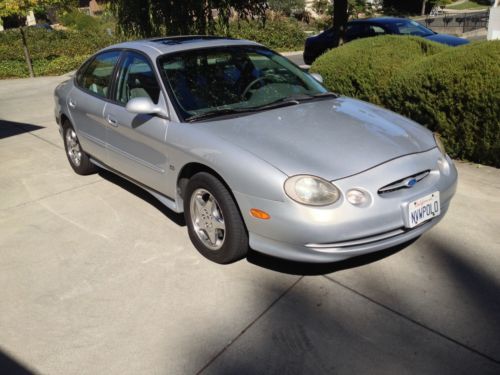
(357, 197)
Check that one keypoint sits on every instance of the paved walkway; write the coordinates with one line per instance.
(98, 278)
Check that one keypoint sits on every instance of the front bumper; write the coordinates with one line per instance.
(340, 231)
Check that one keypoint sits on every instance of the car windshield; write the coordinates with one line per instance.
(407, 27)
(226, 80)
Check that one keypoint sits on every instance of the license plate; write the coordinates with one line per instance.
(423, 209)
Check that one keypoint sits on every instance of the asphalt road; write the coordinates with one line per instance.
(98, 278)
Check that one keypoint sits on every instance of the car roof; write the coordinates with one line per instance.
(158, 46)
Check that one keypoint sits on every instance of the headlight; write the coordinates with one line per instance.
(311, 190)
(439, 144)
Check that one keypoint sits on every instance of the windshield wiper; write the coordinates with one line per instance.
(284, 102)
(277, 104)
(326, 95)
(220, 112)
(228, 111)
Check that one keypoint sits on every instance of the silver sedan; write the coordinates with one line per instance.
(254, 151)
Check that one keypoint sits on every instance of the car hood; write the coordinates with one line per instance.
(447, 39)
(331, 138)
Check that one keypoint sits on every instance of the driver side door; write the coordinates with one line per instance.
(136, 142)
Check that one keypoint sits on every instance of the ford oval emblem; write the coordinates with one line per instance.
(411, 182)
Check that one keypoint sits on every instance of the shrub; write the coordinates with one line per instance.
(454, 91)
(282, 34)
(52, 52)
(364, 68)
(13, 68)
(79, 21)
(457, 94)
(57, 52)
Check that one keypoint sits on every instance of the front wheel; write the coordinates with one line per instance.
(214, 222)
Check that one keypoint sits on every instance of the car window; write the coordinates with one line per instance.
(407, 27)
(97, 75)
(239, 77)
(374, 30)
(137, 79)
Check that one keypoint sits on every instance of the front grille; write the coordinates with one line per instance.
(404, 183)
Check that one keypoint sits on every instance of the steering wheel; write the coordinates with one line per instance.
(251, 84)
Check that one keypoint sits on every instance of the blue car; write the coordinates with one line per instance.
(318, 44)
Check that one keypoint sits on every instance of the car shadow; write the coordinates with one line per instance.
(300, 329)
(9, 365)
(11, 128)
(315, 269)
(254, 257)
(142, 194)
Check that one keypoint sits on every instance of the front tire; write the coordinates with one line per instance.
(214, 222)
(78, 159)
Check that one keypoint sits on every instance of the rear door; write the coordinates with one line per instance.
(136, 142)
(87, 100)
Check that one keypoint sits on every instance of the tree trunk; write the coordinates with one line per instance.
(340, 18)
(26, 53)
(424, 2)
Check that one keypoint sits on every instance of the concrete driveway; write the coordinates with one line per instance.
(97, 278)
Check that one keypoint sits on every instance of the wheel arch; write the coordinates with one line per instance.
(65, 121)
(192, 168)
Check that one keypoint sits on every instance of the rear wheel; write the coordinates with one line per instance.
(78, 159)
(214, 222)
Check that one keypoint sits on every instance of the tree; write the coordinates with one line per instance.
(360, 6)
(287, 7)
(340, 18)
(321, 6)
(16, 7)
(148, 18)
(20, 8)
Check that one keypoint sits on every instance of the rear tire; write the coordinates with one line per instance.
(214, 223)
(78, 159)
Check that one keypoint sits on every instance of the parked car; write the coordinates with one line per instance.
(363, 28)
(254, 151)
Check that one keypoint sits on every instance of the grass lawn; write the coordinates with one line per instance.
(467, 5)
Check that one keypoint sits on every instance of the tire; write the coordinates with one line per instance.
(78, 159)
(214, 222)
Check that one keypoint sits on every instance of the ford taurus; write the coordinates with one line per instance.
(254, 151)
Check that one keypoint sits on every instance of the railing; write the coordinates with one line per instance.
(456, 23)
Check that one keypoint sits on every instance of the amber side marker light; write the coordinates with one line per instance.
(259, 214)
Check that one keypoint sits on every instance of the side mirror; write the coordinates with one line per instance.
(145, 106)
(317, 77)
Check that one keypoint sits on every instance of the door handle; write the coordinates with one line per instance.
(112, 121)
(72, 103)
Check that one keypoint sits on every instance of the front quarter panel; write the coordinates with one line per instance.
(242, 171)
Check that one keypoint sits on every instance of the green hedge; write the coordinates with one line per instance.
(365, 67)
(58, 52)
(281, 34)
(454, 91)
(457, 94)
(52, 52)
